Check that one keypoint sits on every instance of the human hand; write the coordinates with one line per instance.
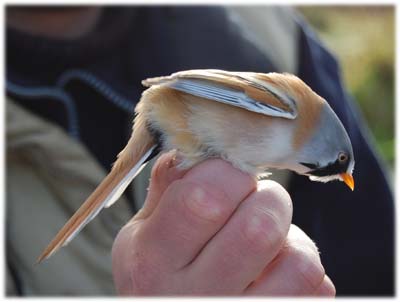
(213, 230)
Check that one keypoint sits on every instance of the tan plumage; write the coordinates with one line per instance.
(253, 120)
(127, 159)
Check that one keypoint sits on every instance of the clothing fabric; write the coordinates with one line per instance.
(84, 93)
(48, 176)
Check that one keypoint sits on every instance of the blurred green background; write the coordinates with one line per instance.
(362, 38)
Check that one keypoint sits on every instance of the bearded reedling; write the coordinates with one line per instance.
(255, 121)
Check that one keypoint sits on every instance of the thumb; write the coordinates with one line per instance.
(163, 173)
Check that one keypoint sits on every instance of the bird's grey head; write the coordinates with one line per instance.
(328, 155)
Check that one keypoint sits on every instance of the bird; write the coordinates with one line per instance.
(255, 121)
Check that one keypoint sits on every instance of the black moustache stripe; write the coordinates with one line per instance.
(334, 168)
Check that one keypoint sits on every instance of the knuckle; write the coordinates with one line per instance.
(306, 268)
(145, 268)
(203, 204)
(263, 230)
(214, 172)
(268, 222)
(133, 271)
(122, 245)
(272, 194)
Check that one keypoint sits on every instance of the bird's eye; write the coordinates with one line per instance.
(343, 157)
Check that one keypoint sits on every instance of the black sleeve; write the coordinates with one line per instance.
(353, 230)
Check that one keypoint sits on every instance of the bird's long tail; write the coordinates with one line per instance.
(139, 150)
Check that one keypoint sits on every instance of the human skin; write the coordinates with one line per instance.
(213, 230)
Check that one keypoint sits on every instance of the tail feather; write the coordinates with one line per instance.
(131, 161)
(120, 188)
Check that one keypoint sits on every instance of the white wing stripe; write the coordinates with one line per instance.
(203, 88)
(269, 88)
(115, 193)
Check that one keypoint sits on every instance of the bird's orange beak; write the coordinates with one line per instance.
(348, 180)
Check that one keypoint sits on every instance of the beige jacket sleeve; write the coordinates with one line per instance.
(48, 176)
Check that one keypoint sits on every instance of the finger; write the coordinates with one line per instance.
(247, 243)
(163, 173)
(326, 289)
(192, 210)
(122, 258)
(297, 270)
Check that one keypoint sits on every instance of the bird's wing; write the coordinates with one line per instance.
(240, 89)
